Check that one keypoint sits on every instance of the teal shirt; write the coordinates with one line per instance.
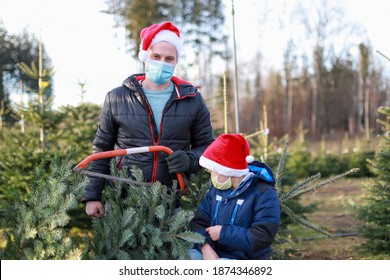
(157, 100)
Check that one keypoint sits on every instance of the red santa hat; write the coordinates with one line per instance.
(159, 32)
(228, 155)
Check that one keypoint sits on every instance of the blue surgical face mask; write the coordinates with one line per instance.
(159, 72)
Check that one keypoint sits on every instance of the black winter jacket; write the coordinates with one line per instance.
(127, 121)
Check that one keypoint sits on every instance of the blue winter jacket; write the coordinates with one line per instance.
(249, 215)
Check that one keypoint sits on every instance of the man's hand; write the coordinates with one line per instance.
(94, 209)
(178, 162)
(214, 232)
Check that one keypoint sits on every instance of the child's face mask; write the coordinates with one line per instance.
(221, 186)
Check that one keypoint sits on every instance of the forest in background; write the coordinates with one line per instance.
(329, 91)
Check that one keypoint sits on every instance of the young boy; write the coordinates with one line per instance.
(240, 214)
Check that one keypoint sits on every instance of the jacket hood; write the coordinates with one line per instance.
(132, 81)
(262, 171)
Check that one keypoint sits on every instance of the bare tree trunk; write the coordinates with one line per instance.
(367, 111)
(362, 93)
(290, 90)
(40, 96)
(351, 123)
(289, 65)
(360, 102)
(313, 116)
(352, 114)
(2, 94)
(2, 110)
(258, 99)
(3, 103)
(286, 105)
(236, 100)
(22, 125)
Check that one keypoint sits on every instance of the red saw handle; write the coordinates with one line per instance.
(108, 154)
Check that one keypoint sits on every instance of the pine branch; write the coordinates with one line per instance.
(295, 193)
(280, 169)
(302, 221)
(302, 185)
(255, 134)
(191, 237)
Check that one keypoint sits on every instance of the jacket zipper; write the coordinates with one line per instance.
(155, 155)
(150, 114)
(155, 143)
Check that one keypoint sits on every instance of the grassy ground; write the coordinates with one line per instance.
(334, 213)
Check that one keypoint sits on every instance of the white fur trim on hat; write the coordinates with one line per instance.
(220, 169)
(169, 37)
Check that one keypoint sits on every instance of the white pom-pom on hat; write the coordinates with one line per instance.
(249, 159)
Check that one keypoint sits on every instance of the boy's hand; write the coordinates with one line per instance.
(214, 232)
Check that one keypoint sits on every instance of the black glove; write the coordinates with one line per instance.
(178, 162)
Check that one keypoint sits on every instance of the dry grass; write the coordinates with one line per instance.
(335, 214)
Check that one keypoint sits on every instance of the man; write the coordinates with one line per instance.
(155, 108)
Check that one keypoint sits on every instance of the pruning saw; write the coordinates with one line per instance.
(122, 152)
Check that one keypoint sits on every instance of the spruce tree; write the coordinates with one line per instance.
(18, 158)
(77, 127)
(376, 211)
(142, 223)
(36, 230)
